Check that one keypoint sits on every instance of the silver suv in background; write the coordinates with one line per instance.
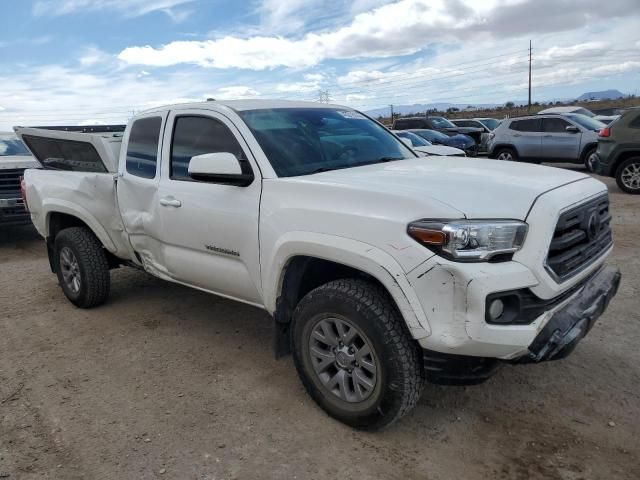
(570, 138)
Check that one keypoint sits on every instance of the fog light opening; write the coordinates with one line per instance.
(496, 309)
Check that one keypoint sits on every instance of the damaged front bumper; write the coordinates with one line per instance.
(557, 339)
(572, 322)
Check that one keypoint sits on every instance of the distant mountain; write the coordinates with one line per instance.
(421, 108)
(602, 95)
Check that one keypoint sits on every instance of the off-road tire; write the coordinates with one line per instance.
(619, 172)
(401, 374)
(93, 267)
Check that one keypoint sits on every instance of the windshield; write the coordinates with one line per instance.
(302, 141)
(12, 145)
(415, 139)
(431, 135)
(587, 122)
(490, 123)
(584, 111)
(439, 122)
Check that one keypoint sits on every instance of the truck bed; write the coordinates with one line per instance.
(78, 179)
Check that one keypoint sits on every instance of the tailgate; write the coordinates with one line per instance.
(73, 151)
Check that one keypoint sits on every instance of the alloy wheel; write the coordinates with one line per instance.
(343, 359)
(630, 176)
(70, 269)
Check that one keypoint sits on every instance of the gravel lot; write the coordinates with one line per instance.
(168, 382)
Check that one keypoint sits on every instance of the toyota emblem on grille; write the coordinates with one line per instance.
(593, 226)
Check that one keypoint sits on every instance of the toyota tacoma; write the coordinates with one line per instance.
(380, 269)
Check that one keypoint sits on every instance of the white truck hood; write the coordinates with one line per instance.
(478, 188)
(18, 161)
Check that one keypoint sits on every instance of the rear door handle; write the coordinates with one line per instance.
(170, 202)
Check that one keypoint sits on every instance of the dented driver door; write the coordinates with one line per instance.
(210, 234)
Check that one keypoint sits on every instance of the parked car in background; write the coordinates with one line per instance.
(571, 138)
(439, 124)
(463, 142)
(490, 123)
(487, 125)
(14, 159)
(579, 110)
(421, 145)
(618, 153)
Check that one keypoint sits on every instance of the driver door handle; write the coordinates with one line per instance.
(170, 202)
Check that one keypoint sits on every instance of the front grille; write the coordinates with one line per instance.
(582, 234)
(10, 182)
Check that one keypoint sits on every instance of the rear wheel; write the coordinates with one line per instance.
(354, 354)
(82, 267)
(628, 175)
(507, 154)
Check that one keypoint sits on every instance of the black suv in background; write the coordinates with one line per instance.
(618, 153)
(439, 124)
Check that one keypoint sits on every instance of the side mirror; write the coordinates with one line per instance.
(220, 167)
(572, 129)
(407, 142)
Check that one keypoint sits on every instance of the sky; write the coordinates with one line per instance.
(100, 61)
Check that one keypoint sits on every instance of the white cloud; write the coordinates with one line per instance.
(129, 8)
(286, 15)
(235, 92)
(93, 56)
(400, 28)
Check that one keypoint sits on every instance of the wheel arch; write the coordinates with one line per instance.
(56, 221)
(500, 146)
(621, 157)
(311, 260)
(586, 149)
(63, 215)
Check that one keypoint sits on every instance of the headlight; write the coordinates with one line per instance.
(470, 240)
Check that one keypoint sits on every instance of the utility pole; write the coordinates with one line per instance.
(391, 107)
(529, 106)
(323, 96)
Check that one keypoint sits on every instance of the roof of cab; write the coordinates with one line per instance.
(241, 105)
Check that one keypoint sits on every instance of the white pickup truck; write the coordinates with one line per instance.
(380, 269)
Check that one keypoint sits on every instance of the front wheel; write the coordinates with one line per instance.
(590, 160)
(628, 176)
(354, 354)
(82, 267)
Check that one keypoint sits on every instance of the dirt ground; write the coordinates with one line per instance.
(168, 382)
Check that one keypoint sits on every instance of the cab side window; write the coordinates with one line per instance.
(142, 150)
(193, 135)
